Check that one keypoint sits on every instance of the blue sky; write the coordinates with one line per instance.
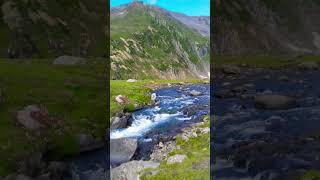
(189, 7)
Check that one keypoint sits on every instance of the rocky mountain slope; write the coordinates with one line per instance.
(151, 42)
(250, 27)
(34, 28)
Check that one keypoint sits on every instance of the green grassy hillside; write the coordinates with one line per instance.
(147, 43)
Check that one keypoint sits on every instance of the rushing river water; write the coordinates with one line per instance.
(175, 107)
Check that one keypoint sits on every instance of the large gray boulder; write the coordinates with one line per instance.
(69, 60)
(122, 150)
(131, 170)
(271, 101)
(120, 122)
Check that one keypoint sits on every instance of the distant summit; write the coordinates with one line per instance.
(136, 2)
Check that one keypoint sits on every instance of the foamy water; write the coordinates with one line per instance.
(170, 109)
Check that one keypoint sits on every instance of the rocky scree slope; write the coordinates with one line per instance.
(149, 42)
(250, 27)
(34, 28)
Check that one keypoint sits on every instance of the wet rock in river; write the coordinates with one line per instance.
(122, 150)
(131, 170)
(195, 93)
(153, 97)
(120, 121)
(223, 94)
(274, 102)
(231, 69)
(274, 123)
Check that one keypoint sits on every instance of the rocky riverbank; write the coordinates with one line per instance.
(168, 154)
(176, 111)
(266, 122)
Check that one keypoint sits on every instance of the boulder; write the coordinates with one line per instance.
(270, 101)
(122, 150)
(117, 122)
(57, 169)
(153, 96)
(69, 60)
(25, 118)
(195, 93)
(131, 80)
(120, 99)
(308, 66)
(131, 170)
(231, 69)
(178, 158)
(88, 143)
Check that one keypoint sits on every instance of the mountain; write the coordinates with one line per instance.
(151, 42)
(250, 27)
(34, 28)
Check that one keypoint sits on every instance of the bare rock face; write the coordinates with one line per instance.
(270, 101)
(122, 150)
(131, 170)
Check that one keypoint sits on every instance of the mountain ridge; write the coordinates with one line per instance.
(150, 39)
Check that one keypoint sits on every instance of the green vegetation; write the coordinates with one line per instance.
(145, 38)
(264, 61)
(72, 94)
(311, 175)
(55, 28)
(195, 166)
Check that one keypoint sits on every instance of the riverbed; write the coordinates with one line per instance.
(175, 108)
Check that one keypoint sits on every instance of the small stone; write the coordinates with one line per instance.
(120, 99)
(161, 145)
(178, 158)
